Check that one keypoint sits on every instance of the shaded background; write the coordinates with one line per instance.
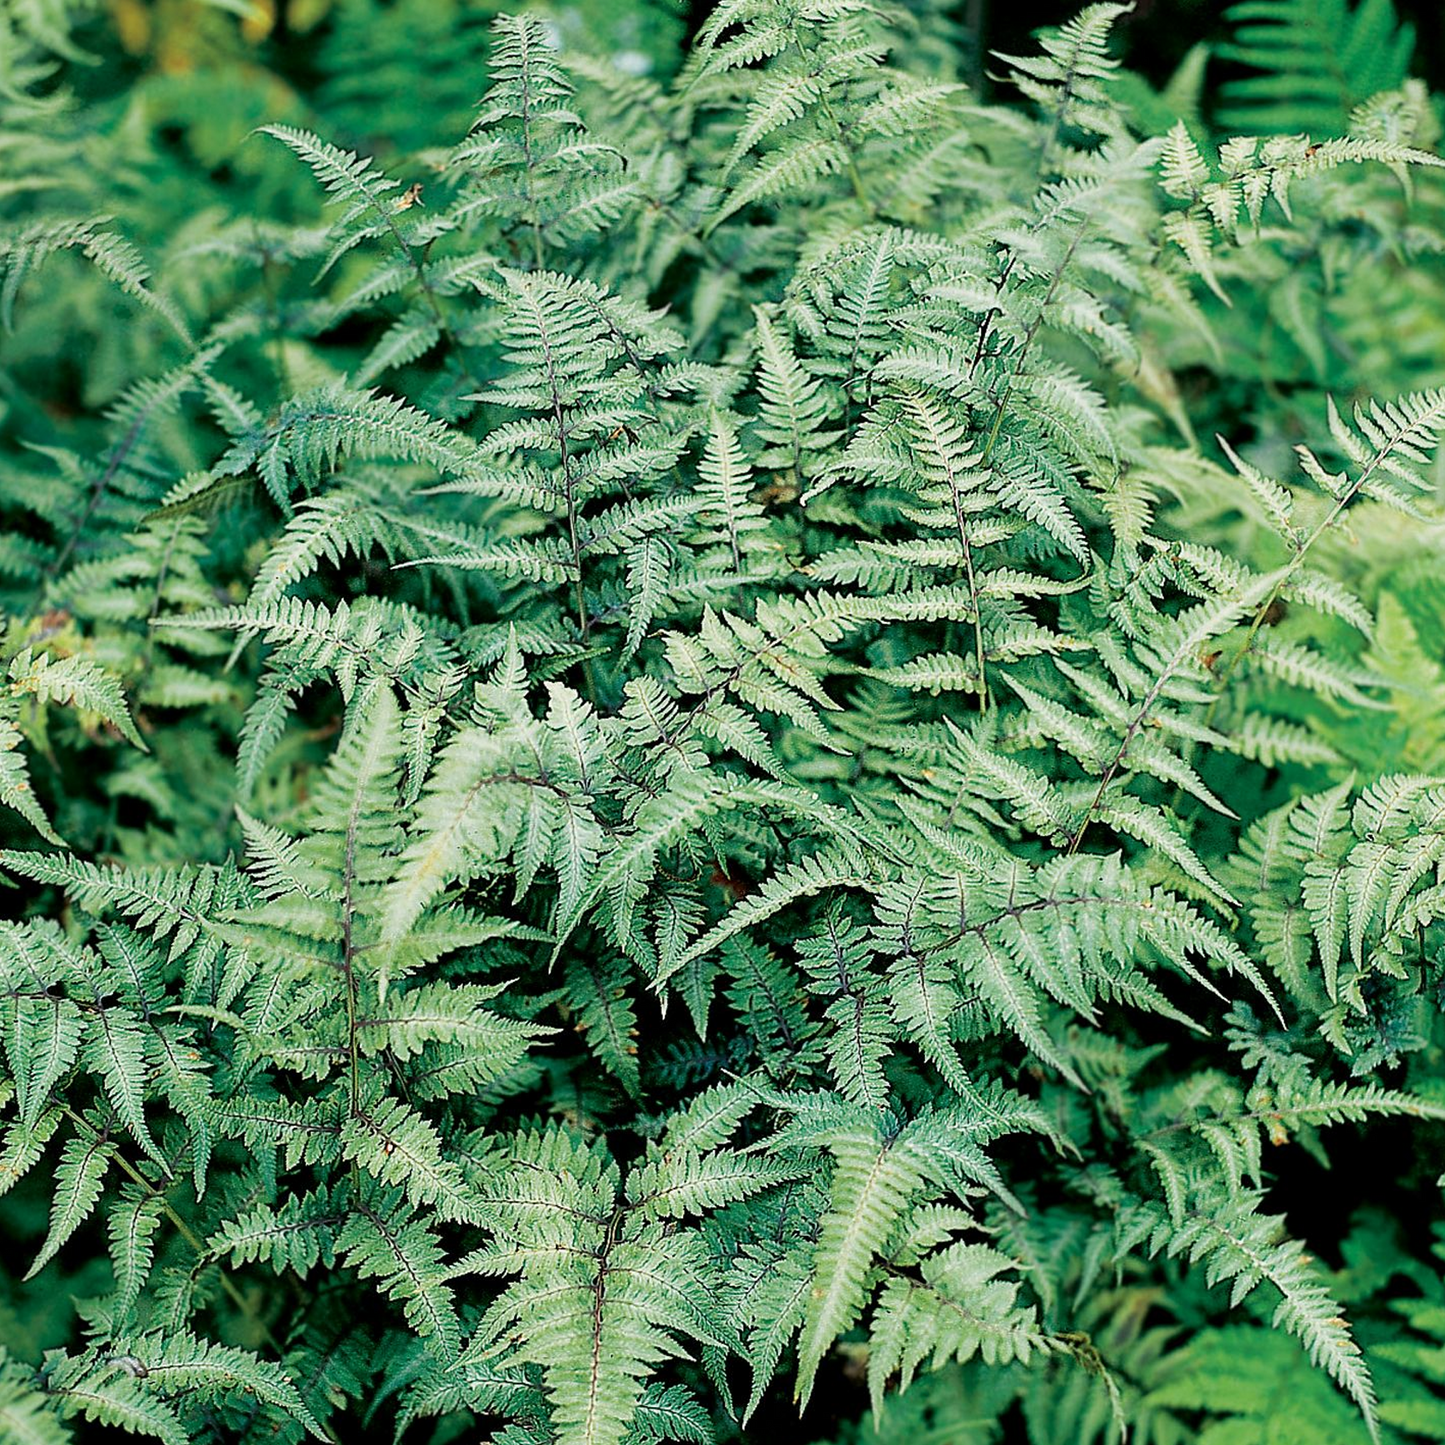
(1156, 36)
(1160, 31)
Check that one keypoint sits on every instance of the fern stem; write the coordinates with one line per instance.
(273, 303)
(348, 956)
(1066, 96)
(692, 234)
(122, 450)
(196, 1243)
(998, 412)
(1345, 498)
(1331, 517)
(1029, 336)
(418, 266)
(855, 176)
(533, 219)
(569, 482)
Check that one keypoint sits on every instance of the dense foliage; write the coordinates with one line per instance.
(692, 733)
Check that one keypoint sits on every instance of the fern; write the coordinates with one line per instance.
(1316, 63)
(754, 737)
